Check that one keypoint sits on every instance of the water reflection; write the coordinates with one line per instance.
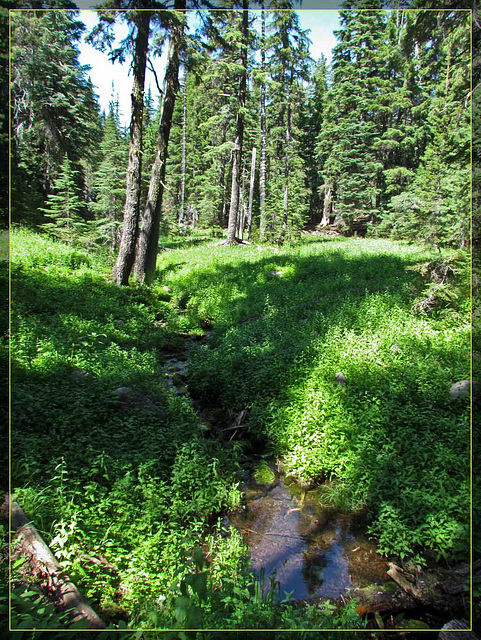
(311, 552)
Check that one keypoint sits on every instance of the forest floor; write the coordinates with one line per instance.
(336, 356)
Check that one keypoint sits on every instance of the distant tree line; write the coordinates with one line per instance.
(250, 135)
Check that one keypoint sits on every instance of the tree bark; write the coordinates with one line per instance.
(251, 192)
(262, 165)
(237, 153)
(126, 257)
(182, 168)
(44, 566)
(146, 258)
(327, 205)
(287, 168)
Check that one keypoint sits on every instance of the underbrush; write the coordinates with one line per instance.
(286, 322)
(114, 470)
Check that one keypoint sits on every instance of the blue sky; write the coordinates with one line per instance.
(103, 72)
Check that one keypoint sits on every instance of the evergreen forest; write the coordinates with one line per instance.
(242, 329)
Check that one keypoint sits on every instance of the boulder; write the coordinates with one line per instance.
(456, 630)
(462, 389)
(128, 399)
(79, 375)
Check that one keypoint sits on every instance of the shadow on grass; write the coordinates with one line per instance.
(395, 432)
(271, 316)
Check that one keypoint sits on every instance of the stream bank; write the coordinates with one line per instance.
(309, 552)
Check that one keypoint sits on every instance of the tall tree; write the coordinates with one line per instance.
(109, 181)
(288, 66)
(351, 169)
(146, 257)
(54, 110)
(126, 256)
(263, 132)
(310, 122)
(239, 136)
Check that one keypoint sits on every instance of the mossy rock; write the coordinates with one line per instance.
(411, 624)
(263, 474)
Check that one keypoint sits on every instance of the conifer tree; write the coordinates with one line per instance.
(54, 110)
(241, 41)
(125, 259)
(288, 64)
(310, 121)
(146, 257)
(64, 207)
(109, 181)
(351, 170)
(263, 133)
(434, 206)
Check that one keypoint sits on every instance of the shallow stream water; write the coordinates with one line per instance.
(310, 550)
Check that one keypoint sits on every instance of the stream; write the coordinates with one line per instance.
(298, 545)
(311, 551)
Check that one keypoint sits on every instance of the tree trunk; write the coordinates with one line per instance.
(126, 257)
(146, 259)
(327, 205)
(237, 153)
(182, 168)
(285, 213)
(242, 205)
(47, 571)
(262, 165)
(251, 192)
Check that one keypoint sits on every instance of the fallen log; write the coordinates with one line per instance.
(44, 567)
(382, 600)
(395, 573)
(444, 591)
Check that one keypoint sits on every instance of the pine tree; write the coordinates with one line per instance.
(434, 206)
(54, 110)
(310, 121)
(64, 207)
(109, 181)
(288, 65)
(263, 132)
(241, 42)
(351, 169)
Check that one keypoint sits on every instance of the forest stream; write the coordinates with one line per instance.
(298, 547)
(309, 550)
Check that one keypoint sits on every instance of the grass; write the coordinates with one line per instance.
(142, 487)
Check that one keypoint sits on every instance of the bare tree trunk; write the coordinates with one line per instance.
(262, 166)
(182, 167)
(146, 259)
(237, 153)
(242, 205)
(251, 192)
(285, 213)
(126, 257)
(327, 205)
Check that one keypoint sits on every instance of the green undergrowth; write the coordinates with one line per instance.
(394, 319)
(123, 485)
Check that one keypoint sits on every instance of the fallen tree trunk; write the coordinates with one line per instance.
(46, 569)
(443, 590)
